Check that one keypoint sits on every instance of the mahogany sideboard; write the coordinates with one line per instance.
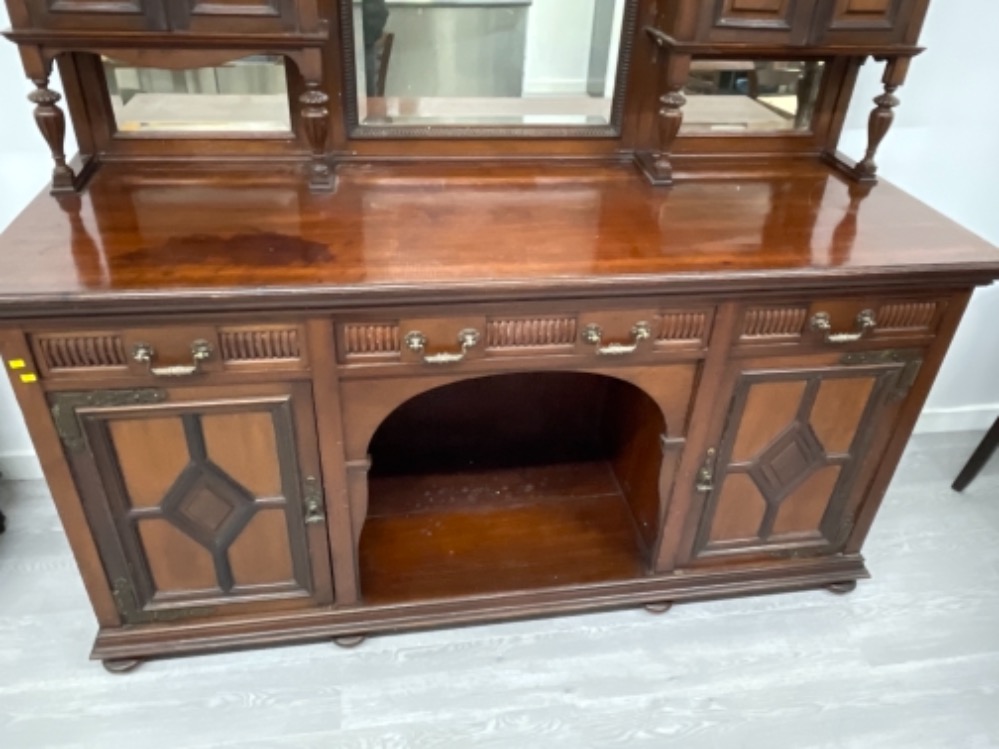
(359, 358)
(444, 395)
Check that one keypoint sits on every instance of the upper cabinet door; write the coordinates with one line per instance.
(238, 16)
(867, 22)
(756, 21)
(204, 501)
(99, 15)
(790, 468)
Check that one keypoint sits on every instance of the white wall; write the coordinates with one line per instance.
(23, 172)
(944, 149)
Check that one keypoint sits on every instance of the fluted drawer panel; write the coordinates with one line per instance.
(532, 332)
(684, 327)
(260, 344)
(914, 316)
(778, 323)
(66, 352)
(363, 340)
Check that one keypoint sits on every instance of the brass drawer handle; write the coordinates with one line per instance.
(594, 334)
(201, 351)
(866, 322)
(417, 342)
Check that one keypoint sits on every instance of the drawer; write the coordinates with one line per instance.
(602, 334)
(169, 351)
(842, 322)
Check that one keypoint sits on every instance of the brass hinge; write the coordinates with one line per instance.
(907, 376)
(128, 606)
(65, 406)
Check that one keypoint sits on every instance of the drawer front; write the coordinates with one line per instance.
(756, 21)
(841, 322)
(169, 352)
(601, 335)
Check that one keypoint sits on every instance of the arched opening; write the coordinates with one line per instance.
(512, 482)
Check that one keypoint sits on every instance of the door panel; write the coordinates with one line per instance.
(198, 497)
(116, 15)
(786, 478)
(870, 22)
(756, 21)
(229, 16)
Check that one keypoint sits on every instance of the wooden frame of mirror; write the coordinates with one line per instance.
(322, 85)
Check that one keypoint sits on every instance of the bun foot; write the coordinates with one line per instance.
(841, 589)
(121, 665)
(659, 607)
(349, 641)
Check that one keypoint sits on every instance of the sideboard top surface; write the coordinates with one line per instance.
(146, 240)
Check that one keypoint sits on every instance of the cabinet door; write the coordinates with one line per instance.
(864, 22)
(801, 440)
(232, 16)
(203, 501)
(99, 15)
(756, 21)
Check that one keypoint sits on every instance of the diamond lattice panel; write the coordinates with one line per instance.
(208, 505)
(787, 462)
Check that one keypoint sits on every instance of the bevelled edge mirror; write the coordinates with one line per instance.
(751, 97)
(486, 68)
(245, 97)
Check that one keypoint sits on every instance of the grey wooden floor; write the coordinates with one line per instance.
(909, 660)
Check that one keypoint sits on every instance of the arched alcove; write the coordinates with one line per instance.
(512, 482)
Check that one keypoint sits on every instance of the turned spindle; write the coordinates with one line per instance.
(315, 122)
(52, 124)
(882, 117)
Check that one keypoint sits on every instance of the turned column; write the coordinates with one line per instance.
(315, 123)
(52, 124)
(677, 70)
(882, 117)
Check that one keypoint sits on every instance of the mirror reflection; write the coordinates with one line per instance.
(486, 62)
(750, 96)
(249, 95)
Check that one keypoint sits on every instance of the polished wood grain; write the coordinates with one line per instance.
(134, 241)
(473, 533)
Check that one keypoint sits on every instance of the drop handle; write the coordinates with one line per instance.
(467, 339)
(594, 334)
(706, 475)
(201, 351)
(865, 323)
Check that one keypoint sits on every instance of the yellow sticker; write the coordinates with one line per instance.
(26, 378)
(17, 364)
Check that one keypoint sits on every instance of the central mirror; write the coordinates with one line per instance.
(492, 63)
